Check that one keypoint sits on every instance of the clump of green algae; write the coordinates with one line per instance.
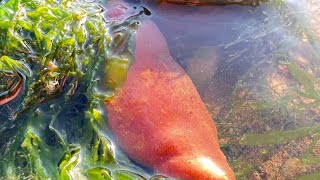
(65, 51)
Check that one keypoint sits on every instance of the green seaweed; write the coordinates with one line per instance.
(308, 152)
(310, 160)
(312, 176)
(277, 137)
(305, 79)
(99, 174)
(9, 65)
(67, 53)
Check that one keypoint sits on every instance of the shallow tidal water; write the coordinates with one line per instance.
(253, 67)
(256, 69)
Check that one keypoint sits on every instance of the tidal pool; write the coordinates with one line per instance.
(255, 67)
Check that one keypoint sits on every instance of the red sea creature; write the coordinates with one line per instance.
(159, 119)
